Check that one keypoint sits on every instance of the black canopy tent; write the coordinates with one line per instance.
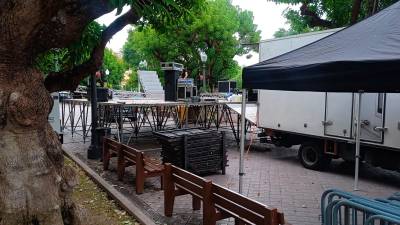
(364, 57)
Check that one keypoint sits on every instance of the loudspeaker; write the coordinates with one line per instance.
(226, 86)
(102, 94)
(170, 80)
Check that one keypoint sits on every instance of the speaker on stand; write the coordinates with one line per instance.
(172, 71)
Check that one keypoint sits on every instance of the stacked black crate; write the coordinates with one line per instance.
(197, 150)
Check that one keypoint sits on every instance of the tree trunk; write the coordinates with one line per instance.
(35, 187)
(355, 12)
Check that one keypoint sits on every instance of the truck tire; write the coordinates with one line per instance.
(312, 156)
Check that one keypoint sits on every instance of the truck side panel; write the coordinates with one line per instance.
(392, 120)
(299, 112)
(339, 112)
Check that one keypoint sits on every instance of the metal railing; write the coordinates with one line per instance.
(344, 208)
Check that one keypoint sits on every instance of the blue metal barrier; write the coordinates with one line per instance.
(372, 219)
(366, 211)
(340, 207)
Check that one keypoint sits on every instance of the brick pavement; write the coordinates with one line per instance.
(272, 177)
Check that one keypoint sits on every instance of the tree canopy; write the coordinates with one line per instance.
(219, 29)
(327, 14)
(63, 59)
(116, 67)
(81, 56)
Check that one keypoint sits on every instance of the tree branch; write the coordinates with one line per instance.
(66, 25)
(70, 79)
(355, 11)
(315, 20)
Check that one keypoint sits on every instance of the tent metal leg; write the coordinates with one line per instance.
(242, 140)
(358, 137)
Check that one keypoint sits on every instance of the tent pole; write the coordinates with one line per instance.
(242, 140)
(358, 137)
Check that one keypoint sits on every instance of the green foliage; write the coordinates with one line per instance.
(116, 67)
(336, 12)
(219, 29)
(132, 82)
(298, 25)
(57, 60)
(158, 13)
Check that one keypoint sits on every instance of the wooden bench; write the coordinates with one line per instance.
(218, 202)
(110, 149)
(245, 211)
(128, 156)
(180, 182)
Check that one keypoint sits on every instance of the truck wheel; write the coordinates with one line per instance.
(311, 156)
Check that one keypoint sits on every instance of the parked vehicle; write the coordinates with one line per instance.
(323, 123)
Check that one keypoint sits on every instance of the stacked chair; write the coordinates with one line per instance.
(344, 208)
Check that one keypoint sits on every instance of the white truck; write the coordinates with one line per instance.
(322, 123)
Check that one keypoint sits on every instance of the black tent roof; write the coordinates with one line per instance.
(365, 56)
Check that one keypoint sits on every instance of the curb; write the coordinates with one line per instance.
(124, 202)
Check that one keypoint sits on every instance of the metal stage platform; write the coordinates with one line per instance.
(251, 111)
(129, 119)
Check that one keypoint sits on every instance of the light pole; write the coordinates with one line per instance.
(203, 57)
(93, 151)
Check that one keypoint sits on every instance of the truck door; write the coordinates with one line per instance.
(338, 114)
(372, 117)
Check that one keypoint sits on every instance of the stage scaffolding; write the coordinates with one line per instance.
(130, 119)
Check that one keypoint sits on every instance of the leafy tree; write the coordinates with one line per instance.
(35, 185)
(62, 59)
(327, 14)
(116, 67)
(219, 29)
(132, 83)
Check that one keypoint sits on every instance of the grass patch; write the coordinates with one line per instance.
(99, 208)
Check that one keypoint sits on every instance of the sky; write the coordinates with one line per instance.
(267, 16)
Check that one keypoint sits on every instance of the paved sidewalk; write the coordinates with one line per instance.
(272, 177)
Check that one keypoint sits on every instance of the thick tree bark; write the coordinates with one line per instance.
(35, 187)
(72, 77)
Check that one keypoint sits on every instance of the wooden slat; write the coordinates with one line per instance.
(109, 140)
(150, 169)
(188, 176)
(129, 149)
(187, 185)
(129, 155)
(241, 200)
(152, 165)
(111, 144)
(238, 211)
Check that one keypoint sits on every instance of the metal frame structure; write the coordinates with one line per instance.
(159, 115)
(74, 117)
(132, 117)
